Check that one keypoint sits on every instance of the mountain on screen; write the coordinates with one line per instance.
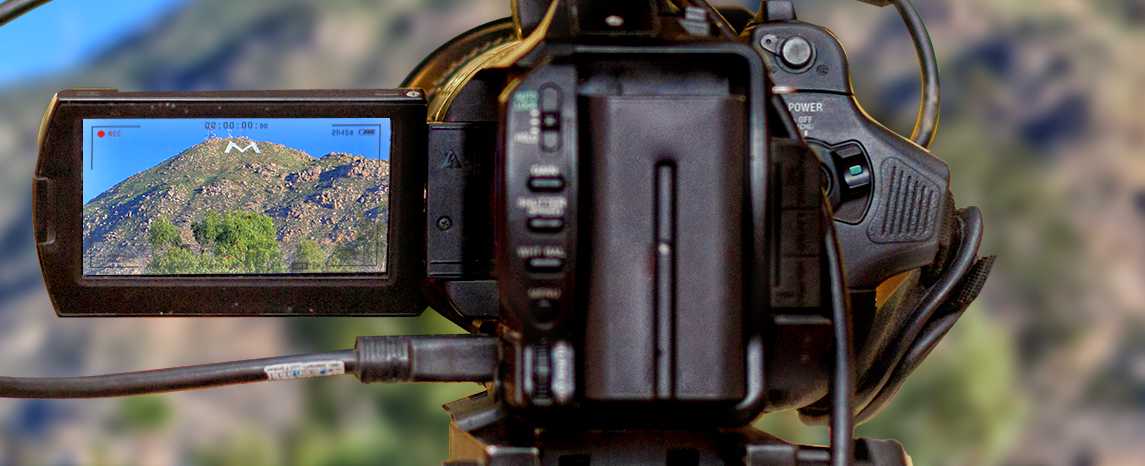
(328, 200)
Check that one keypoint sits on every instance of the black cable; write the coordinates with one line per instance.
(951, 311)
(890, 357)
(924, 345)
(161, 380)
(13, 9)
(842, 423)
(927, 123)
(752, 403)
(429, 358)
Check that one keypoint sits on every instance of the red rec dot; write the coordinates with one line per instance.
(100, 134)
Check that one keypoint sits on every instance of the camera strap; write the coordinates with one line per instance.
(911, 322)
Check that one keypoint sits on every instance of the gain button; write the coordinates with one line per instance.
(546, 224)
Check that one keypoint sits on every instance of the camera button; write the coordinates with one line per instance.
(545, 264)
(854, 168)
(546, 183)
(545, 310)
(546, 224)
(551, 120)
(551, 140)
(796, 52)
(550, 98)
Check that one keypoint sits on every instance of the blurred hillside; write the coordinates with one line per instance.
(217, 44)
(1043, 126)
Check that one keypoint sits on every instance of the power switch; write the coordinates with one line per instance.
(854, 169)
(550, 119)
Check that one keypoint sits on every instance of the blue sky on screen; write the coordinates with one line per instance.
(64, 34)
(130, 146)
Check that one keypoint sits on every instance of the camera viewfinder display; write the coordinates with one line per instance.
(235, 196)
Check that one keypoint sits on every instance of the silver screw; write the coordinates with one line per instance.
(614, 21)
(412, 94)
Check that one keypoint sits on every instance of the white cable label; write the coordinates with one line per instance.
(301, 370)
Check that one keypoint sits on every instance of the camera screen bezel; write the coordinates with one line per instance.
(58, 208)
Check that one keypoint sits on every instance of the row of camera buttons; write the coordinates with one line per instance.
(540, 224)
(545, 184)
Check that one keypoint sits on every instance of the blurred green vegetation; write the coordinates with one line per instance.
(343, 423)
(143, 414)
(244, 242)
(962, 406)
(239, 242)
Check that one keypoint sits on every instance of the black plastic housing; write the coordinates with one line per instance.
(889, 211)
(59, 227)
(658, 278)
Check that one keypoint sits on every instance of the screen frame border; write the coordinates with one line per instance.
(58, 211)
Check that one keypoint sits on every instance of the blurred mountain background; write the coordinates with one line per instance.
(1043, 125)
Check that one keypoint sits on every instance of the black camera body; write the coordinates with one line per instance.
(671, 217)
(653, 212)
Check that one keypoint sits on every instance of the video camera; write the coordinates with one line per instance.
(657, 219)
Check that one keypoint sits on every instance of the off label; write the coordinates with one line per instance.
(805, 123)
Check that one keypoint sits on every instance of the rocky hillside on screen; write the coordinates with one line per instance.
(330, 200)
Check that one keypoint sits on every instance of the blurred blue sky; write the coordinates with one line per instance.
(65, 33)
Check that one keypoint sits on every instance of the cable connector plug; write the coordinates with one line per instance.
(426, 358)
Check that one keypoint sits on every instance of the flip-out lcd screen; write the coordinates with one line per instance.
(235, 196)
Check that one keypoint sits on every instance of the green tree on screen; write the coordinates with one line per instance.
(207, 230)
(239, 242)
(367, 247)
(245, 241)
(308, 257)
(171, 256)
(165, 235)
